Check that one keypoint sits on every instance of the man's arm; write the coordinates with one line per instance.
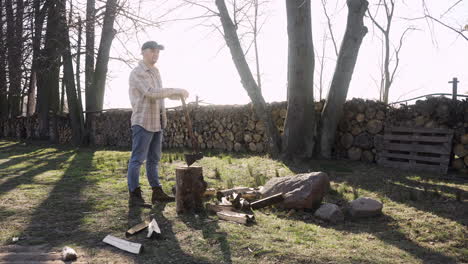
(136, 83)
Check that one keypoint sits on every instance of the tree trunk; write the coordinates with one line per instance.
(89, 59)
(300, 127)
(247, 79)
(74, 109)
(3, 63)
(48, 72)
(78, 60)
(39, 15)
(332, 112)
(14, 46)
(100, 73)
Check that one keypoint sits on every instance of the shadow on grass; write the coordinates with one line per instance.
(397, 187)
(165, 249)
(25, 175)
(209, 230)
(58, 217)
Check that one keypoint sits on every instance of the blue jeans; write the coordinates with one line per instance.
(146, 145)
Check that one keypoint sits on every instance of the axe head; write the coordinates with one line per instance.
(191, 158)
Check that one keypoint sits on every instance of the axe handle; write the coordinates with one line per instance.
(188, 121)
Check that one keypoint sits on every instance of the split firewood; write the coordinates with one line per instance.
(225, 201)
(137, 228)
(209, 192)
(244, 205)
(267, 201)
(241, 190)
(153, 229)
(218, 208)
(122, 244)
(236, 217)
(234, 198)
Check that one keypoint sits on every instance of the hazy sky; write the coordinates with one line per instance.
(196, 58)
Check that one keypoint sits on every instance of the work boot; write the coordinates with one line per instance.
(160, 196)
(136, 199)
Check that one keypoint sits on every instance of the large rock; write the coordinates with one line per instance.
(302, 191)
(330, 212)
(365, 207)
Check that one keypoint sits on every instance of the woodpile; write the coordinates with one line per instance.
(361, 121)
(232, 206)
(236, 127)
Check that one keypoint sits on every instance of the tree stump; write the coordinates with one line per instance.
(190, 187)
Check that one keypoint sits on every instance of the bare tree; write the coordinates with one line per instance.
(391, 52)
(333, 109)
(460, 29)
(248, 81)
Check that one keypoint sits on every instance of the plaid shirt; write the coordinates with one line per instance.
(147, 98)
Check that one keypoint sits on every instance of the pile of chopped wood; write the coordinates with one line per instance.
(236, 204)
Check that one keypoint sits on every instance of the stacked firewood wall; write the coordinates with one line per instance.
(236, 127)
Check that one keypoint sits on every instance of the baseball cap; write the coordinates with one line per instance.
(152, 45)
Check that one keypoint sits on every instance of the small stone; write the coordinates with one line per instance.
(69, 254)
(330, 212)
(365, 207)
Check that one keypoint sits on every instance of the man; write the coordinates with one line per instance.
(147, 123)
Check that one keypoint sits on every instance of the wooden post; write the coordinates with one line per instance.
(190, 187)
(454, 83)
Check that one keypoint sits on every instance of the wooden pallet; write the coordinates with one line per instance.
(416, 148)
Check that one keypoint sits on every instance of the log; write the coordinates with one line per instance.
(356, 130)
(458, 164)
(209, 192)
(464, 139)
(367, 156)
(347, 140)
(251, 195)
(190, 187)
(218, 207)
(380, 115)
(236, 217)
(460, 150)
(122, 244)
(374, 126)
(360, 117)
(354, 153)
(267, 201)
(364, 140)
(227, 192)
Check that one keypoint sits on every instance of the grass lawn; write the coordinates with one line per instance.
(59, 196)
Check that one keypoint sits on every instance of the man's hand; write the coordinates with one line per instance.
(178, 93)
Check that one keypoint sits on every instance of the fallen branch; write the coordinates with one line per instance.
(270, 200)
